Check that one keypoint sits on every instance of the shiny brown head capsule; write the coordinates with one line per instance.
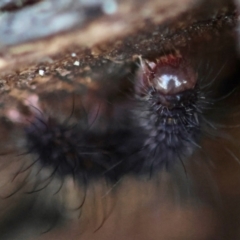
(168, 75)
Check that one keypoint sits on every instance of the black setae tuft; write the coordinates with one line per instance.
(172, 126)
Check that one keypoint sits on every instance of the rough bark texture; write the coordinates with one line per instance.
(84, 23)
(134, 28)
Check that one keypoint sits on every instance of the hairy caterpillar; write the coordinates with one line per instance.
(164, 128)
(110, 108)
(169, 86)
